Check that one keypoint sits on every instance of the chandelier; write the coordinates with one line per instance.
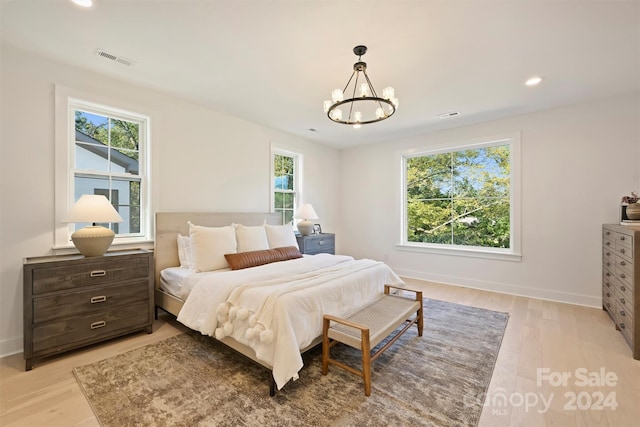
(364, 106)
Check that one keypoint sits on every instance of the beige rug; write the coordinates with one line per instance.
(191, 380)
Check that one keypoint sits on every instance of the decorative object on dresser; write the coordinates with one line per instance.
(317, 244)
(305, 213)
(93, 240)
(620, 280)
(71, 301)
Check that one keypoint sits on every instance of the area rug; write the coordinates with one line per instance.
(439, 379)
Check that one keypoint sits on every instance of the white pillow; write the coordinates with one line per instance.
(251, 238)
(208, 246)
(184, 251)
(280, 236)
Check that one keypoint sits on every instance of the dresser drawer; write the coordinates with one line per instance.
(624, 320)
(624, 266)
(608, 300)
(58, 336)
(51, 279)
(624, 245)
(86, 301)
(623, 289)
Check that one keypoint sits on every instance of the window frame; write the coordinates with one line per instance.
(513, 253)
(67, 101)
(297, 180)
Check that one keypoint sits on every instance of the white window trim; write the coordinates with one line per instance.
(514, 253)
(297, 173)
(64, 170)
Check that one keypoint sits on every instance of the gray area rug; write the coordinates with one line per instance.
(439, 379)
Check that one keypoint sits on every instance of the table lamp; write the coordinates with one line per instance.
(306, 212)
(93, 240)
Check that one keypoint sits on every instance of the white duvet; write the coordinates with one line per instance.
(276, 309)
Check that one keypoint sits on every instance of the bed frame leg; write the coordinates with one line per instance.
(272, 386)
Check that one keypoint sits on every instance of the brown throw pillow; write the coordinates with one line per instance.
(248, 259)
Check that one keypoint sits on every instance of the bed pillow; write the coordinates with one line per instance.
(184, 251)
(251, 238)
(208, 246)
(280, 236)
(241, 260)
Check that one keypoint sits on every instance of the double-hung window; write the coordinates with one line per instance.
(463, 198)
(286, 185)
(107, 153)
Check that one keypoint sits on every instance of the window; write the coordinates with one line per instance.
(286, 167)
(463, 198)
(101, 149)
(106, 161)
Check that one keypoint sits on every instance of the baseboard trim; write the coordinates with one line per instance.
(504, 288)
(11, 346)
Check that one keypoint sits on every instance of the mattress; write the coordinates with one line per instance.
(172, 279)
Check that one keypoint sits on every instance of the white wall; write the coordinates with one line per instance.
(577, 163)
(202, 161)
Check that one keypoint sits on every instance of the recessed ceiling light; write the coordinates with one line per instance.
(533, 81)
(83, 3)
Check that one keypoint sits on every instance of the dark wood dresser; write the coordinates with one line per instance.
(71, 301)
(317, 243)
(621, 281)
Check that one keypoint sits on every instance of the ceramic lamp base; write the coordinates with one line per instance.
(305, 227)
(93, 240)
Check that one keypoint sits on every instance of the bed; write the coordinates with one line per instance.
(270, 313)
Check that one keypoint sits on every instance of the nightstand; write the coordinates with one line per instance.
(323, 243)
(71, 301)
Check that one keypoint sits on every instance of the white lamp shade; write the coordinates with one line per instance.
(306, 211)
(93, 208)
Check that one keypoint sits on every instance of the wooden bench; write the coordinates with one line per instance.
(368, 327)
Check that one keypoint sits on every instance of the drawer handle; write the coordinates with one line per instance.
(100, 324)
(321, 242)
(98, 273)
(622, 313)
(101, 298)
(622, 288)
(622, 326)
(621, 300)
(608, 264)
(607, 274)
(623, 263)
(608, 294)
(608, 243)
(622, 251)
(608, 305)
(622, 276)
(608, 253)
(608, 285)
(608, 233)
(621, 237)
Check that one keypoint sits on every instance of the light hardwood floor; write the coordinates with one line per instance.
(541, 337)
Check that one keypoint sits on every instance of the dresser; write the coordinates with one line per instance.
(72, 301)
(621, 281)
(317, 243)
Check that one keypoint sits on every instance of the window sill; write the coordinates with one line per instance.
(462, 251)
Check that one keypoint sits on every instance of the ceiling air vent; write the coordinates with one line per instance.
(116, 58)
(447, 115)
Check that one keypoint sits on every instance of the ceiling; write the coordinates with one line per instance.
(275, 62)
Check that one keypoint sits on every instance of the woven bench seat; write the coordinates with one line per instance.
(369, 327)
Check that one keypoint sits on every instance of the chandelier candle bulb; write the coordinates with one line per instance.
(388, 93)
(379, 112)
(337, 95)
(364, 90)
(327, 105)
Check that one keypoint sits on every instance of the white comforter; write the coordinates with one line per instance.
(276, 309)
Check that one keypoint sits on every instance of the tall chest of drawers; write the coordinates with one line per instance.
(73, 301)
(621, 280)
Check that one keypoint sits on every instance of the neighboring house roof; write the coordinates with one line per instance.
(129, 164)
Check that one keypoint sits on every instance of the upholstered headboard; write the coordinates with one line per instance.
(170, 224)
